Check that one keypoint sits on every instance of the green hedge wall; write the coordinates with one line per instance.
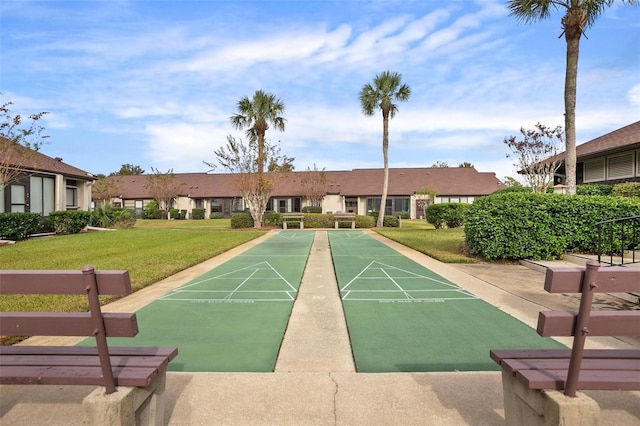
(69, 222)
(241, 220)
(540, 226)
(16, 226)
(450, 215)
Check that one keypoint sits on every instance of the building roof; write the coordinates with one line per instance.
(38, 162)
(623, 139)
(445, 181)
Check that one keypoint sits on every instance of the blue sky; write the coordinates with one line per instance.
(153, 83)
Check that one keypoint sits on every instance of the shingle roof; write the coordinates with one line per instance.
(359, 182)
(37, 161)
(623, 139)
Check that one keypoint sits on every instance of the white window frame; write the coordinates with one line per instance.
(629, 159)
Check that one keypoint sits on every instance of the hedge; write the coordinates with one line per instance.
(627, 189)
(450, 215)
(69, 222)
(197, 214)
(540, 226)
(16, 226)
(241, 220)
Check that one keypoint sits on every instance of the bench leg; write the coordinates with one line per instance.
(353, 225)
(524, 406)
(127, 406)
(336, 224)
(284, 224)
(301, 224)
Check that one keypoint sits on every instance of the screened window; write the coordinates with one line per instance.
(18, 198)
(42, 195)
(620, 166)
(71, 195)
(594, 170)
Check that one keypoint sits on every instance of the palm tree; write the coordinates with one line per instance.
(386, 88)
(256, 115)
(579, 15)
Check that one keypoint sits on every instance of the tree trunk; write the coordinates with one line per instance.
(385, 155)
(572, 36)
(260, 154)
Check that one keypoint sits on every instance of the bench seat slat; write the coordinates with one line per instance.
(588, 379)
(169, 352)
(62, 282)
(514, 365)
(65, 324)
(615, 279)
(601, 323)
(500, 354)
(47, 375)
(83, 360)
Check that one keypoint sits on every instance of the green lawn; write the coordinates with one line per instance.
(445, 245)
(150, 251)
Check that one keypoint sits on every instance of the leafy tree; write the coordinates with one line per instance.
(285, 165)
(242, 159)
(511, 182)
(466, 165)
(533, 154)
(104, 189)
(257, 115)
(314, 185)
(387, 87)
(163, 187)
(19, 143)
(578, 15)
(440, 164)
(128, 170)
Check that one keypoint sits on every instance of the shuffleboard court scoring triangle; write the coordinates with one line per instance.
(379, 280)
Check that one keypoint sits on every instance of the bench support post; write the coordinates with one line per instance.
(529, 407)
(127, 406)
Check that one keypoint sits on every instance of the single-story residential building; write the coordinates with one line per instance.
(355, 191)
(41, 184)
(608, 159)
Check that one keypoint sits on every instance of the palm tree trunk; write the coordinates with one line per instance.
(385, 155)
(570, 88)
(260, 154)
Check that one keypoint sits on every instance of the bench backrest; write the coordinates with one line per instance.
(93, 323)
(588, 281)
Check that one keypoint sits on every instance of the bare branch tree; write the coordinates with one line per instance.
(19, 144)
(314, 185)
(104, 189)
(532, 154)
(242, 160)
(163, 187)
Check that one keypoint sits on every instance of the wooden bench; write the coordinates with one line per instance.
(345, 217)
(532, 379)
(125, 374)
(296, 217)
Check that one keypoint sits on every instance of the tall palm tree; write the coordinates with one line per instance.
(256, 115)
(578, 15)
(387, 87)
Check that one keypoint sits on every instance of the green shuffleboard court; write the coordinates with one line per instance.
(232, 318)
(402, 317)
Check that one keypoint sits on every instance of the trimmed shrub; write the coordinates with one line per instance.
(68, 222)
(272, 218)
(403, 215)
(594, 189)
(241, 220)
(16, 226)
(197, 214)
(512, 189)
(390, 222)
(312, 209)
(174, 214)
(215, 215)
(540, 226)
(152, 211)
(365, 221)
(627, 189)
(450, 215)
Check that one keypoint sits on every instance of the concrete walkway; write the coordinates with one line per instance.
(314, 382)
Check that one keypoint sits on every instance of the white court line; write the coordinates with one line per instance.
(241, 284)
(408, 296)
(254, 268)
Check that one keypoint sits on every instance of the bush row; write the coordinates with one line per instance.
(113, 217)
(540, 226)
(311, 220)
(68, 222)
(16, 226)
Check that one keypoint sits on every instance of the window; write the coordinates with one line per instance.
(620, 166)
(216, 206)
(42, 195)
(71, 195)
(18, 198)
(594, 170)
(199, 203)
